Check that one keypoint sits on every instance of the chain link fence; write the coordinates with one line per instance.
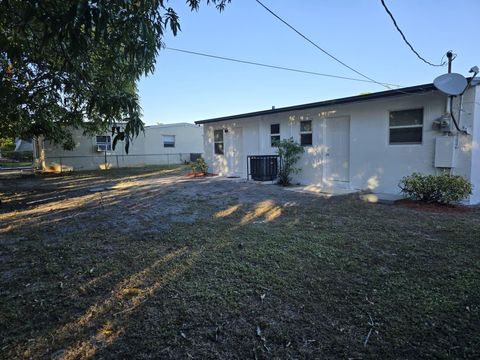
(109, 161)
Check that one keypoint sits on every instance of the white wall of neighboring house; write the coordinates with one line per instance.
(361, 131)
(146, 149)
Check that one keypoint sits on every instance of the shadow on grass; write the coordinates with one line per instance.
(257, 273)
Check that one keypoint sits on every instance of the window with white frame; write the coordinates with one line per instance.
(406, 127)
(306, 133)
(274, 135)
(218, 141)
(169, 141)
(104, 143)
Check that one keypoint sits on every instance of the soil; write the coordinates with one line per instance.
(200, 174)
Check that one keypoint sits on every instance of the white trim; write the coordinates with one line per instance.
(275, 134)
(219, 142)
(306, 132)
(389, 143)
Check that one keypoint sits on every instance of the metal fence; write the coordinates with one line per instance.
(262, 167)
(108, 161)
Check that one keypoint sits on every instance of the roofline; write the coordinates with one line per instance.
(351, 99)
(181, 124)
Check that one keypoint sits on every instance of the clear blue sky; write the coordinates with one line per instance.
(185, 88)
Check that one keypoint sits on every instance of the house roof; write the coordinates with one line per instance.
(181, 124)
(351, 99)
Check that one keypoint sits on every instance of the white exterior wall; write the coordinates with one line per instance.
(23, 145)
(188, 138)
(374, 163)
(475, 146)
(146, 149)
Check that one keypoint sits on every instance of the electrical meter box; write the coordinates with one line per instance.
(444, 151)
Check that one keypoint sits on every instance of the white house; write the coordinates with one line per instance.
(158, 145)
(23, 145)
(361, 142)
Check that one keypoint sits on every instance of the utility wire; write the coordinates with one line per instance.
(405, 39)
(276, 67)
(320, 48)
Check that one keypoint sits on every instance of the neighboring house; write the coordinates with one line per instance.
(361, 142)
(23, 145)
(159, 145)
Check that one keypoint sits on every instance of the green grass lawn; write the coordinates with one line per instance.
(160, 266)
(14, 164)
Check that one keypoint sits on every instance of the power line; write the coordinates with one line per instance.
(276, 67)
(320, 48)
(405, 39)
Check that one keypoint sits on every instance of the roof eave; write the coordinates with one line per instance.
(351, 99)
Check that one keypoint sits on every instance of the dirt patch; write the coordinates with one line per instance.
(200, 174)
(159, 265)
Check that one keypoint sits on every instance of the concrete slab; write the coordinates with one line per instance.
(243, 180)
(381, 198)
(328, 192)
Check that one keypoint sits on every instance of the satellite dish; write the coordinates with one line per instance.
(451, 84)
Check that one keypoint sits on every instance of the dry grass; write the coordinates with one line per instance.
(160, 266)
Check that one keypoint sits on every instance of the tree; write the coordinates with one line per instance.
(289, 152)
(76, 63)
(6, 144)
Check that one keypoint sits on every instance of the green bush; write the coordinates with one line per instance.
(289, 152)
(444, 188)
(200, 166)
(6, 144)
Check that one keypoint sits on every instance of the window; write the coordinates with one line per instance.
(274, 134)
(406, 127)
(306, 133)
(104, 143)
(218, 141)
(168, 140)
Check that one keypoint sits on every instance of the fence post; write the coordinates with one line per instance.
(61, 165)
(116, 156)
(168, 159)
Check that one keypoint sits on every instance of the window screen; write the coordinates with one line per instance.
(406, 127)
(168, 141)
(306, 133)
(218, 142)
(104, 142)
(274, 134)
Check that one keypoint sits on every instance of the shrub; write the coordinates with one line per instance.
(6, 144)
(289, 152)
(444, 188)
(199, 166)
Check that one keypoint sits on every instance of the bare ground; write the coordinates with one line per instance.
(147, 263)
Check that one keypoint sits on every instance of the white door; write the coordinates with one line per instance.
(337, 149)
(234, 153)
